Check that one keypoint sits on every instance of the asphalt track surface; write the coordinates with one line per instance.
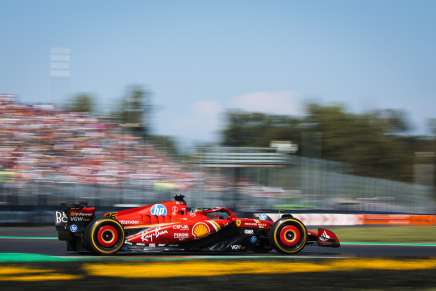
(351, 267)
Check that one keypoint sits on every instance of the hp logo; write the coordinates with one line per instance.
(158, 209)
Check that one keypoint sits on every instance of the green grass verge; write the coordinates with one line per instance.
(420, 234)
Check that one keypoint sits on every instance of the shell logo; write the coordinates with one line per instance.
(238, 222)
(200, 230)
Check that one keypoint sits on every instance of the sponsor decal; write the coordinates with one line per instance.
(324, 236)
(248, 231)
(250, 224)
(181, 227)
(174, 210)
(236, 247)
(158, 210)
(181, 235)
(83, 214)
(61, 217)
(149, 236)
(129, 221)
(238, 222)
(73, 228)
(253, 239)
(159, 233)
(79, 218)
(111, 215)
(200, 230)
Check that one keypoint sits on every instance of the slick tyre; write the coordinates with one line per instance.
(288, 235)
(105, 236)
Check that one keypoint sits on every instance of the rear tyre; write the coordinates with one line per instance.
(105, 236)
(288, 235)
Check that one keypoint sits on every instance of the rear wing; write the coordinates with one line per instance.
(73, 219)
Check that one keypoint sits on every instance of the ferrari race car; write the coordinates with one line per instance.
(171, 226)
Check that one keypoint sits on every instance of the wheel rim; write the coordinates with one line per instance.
(107, 236)
(290, 235)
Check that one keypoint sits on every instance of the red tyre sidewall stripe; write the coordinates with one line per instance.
(104, 229)
(297, 235)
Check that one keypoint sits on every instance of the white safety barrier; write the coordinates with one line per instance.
(360, 219)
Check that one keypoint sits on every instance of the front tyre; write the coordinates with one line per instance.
(288, 235)
(105, 236)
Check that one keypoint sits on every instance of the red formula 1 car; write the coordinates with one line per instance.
(171, 226)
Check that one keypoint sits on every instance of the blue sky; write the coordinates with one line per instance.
(200, 58)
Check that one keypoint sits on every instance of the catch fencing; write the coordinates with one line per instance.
(305, 185)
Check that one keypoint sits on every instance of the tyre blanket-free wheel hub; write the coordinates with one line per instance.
(290, 235)
(107, 236)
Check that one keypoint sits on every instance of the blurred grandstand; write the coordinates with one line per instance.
(49, 156)
(44, 144)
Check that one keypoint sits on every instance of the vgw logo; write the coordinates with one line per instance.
(158, 209)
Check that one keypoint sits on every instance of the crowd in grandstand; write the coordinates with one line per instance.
(43, 143)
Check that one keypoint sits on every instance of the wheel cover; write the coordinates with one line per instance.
(107, 236)
(290, 235)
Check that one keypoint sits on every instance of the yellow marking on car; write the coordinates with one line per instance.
(200, 229)
(215, 225)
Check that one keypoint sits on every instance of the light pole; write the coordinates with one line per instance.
(60, 70)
